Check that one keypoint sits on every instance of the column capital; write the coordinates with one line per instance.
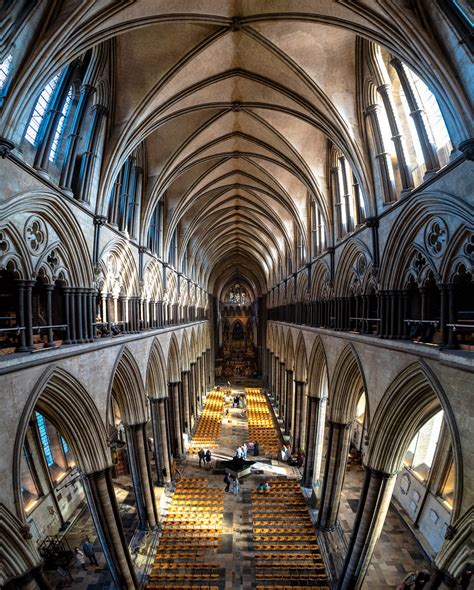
(156, 400)
(100, 220)
(340, 425)
(466, 147)
(379, 473)
(372, 222)
(87, 89)
(100, 109)
(6, 146)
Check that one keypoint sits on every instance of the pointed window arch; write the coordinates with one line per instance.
(53, 154)
(44, 101)
(44, 437)
(5, 73)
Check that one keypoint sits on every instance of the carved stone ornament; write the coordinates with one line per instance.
(405, 483)
(469, 248)
(419, 263)
(436, 236)
(4, 243)
(36, 235)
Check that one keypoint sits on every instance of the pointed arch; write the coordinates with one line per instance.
(18, 550)
(193, 346)
(59, 396)
(185, 352)
(173, 369)
(301, 360)
(127, 388)
(393, 427)
(318, 380)
(347, 385)
(156, 372)
(289, 356)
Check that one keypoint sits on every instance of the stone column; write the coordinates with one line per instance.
(416, 113)
(89, 156)
(29, 314)
(334, 473)
(193, 391)
(383, 158)
(311, 423)
(290, 405)
(164, 439)
(373, 505)
(185, 377)
(397, 138)
(20, 315)
(100, 495)
(157, 440)
(174, 391)
(451, 313)
(131, 432)
(48, 289)
(67, 171)
(282, 385)
(145, 475)
(299, 395)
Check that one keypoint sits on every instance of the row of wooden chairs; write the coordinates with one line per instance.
(208, 429)
(286, 550)
(261, 423)
(192, 528)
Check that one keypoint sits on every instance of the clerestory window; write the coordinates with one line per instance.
(44, 437)
(44, 101)
(61, 125)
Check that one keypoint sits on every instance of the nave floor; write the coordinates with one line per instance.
(396, 553)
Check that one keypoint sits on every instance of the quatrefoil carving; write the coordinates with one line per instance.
(436, 236)
(36, 235)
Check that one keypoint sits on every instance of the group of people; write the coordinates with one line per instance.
(87, 551)
(205, 458)
(294, 460)
(242, 451)
(233, 480)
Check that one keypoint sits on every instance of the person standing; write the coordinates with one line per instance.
(236, 486)
(256, 449)
(208, 457)
(245, 450)
(89, 552)
(201, 455)
(80, 557)
(227, 482)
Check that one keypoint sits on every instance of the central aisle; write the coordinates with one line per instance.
(223, 541)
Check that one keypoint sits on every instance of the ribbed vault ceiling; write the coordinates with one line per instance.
(234, 103)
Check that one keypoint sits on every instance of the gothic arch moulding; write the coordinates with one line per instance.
(301, 360)
(318, 381)
(156, 372)
(393, 428)
(47, 238)
(64, 401)
(347, 385)
(126, 387)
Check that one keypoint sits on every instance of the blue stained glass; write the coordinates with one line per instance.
(44, 438)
